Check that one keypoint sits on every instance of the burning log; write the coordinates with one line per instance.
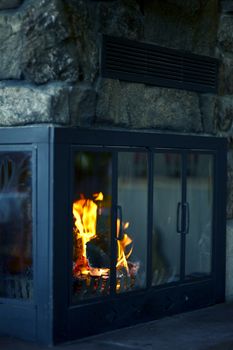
(98, 253)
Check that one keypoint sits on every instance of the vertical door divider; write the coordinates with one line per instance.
(150, 217)
(183, 214)
(114, 223)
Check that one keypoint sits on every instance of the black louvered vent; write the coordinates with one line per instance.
(150, 64)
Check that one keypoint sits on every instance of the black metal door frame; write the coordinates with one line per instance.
(51, 317)
(107, 313)
(31, 319)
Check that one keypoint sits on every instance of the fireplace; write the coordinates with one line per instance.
(102, 229)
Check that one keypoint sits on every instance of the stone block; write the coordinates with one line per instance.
(225, 114)
(225, 75)
(122, 20)
(112, 106)
(82, 17)
(36, 44)
(186, 25)
(11, 46)
(9, 4)
(27, 104)
(49, 52)
(225, 33)
(140, 106)
(82, 105)
(208, 108)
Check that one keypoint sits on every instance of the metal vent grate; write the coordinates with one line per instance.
(150, 64)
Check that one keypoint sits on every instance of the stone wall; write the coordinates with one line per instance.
(49, 71)
(50, 58)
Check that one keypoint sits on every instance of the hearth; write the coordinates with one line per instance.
(101, 229)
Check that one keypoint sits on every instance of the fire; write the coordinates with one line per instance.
(122, 244)
(98, 196)
(85, 212)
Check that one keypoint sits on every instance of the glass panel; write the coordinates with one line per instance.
(16, 269)
(166, 240)
(200, 200)
(91, 224)
(132, 221)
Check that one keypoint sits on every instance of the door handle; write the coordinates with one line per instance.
(187, 217)
(178, 218)
(120, 233)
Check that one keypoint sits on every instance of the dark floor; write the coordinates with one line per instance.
(209, 329)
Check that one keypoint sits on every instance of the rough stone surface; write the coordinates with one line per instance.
(122, 19)
(229, 260)
(49, 53)
(225, 33)
(11, 46)
(82, 18)
(9, 4)
(188, 25)
(208, 108)
(140, 106)
(225, 74)
(82, 105)
(225, 114)
(36, 44)
(25, 104)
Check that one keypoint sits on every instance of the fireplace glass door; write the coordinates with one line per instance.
(16, 266)
(182, 217)
(92, 202)
(199, 208)
(132, 200)
(167, 198)
(109, 254)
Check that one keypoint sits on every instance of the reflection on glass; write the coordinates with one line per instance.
(200, 199)
(91, 224)
(16, 270)
(132, 221)
(166, 240)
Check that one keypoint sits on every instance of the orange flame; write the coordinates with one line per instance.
(85, 215)
(122, 257)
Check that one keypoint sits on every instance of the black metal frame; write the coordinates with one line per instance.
(51, 317)
(117, 310)
(32, 319)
